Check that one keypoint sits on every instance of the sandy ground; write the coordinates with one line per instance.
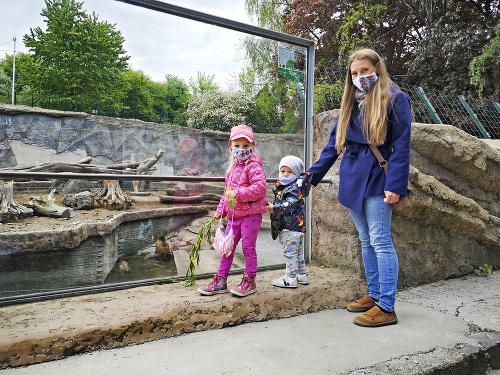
(36, 223)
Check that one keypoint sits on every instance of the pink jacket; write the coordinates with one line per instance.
(248, 180)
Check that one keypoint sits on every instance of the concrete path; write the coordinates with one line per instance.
(448, 327)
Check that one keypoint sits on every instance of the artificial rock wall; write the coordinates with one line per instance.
(454, 226)
(32, 135)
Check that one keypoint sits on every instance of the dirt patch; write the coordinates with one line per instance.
(96, 215)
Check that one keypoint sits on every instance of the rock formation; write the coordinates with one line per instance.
(454, 226)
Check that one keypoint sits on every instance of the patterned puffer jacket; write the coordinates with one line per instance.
(289, 204)
(248, 180)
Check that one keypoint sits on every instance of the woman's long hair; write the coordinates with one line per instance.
(374, 108)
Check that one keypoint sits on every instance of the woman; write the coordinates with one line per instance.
(373, 111)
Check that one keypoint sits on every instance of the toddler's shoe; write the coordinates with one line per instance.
(302, 279)
(218, 285)
(286, 282)
(246, 287)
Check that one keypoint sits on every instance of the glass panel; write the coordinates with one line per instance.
(97, 233)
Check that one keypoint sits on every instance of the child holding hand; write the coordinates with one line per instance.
(243, 203)
(288, 207)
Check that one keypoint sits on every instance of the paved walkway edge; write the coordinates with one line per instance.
(463, 359)
(51, 330)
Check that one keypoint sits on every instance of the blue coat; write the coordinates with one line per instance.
(360, 174)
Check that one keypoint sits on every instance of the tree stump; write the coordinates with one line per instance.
(10, 210)
(111, 196)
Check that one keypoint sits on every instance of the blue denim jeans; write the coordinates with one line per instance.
(379, 256)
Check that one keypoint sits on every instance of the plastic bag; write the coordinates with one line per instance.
(223, 243)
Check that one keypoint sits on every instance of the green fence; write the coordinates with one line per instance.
(478, 117)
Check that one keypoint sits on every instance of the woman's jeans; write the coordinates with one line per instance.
(245, 228)
(379, 256)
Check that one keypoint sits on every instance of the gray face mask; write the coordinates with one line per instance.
(366, 82)
(287, 180)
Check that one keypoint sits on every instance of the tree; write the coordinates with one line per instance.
(171, 99)
(25, 65)
(219, 110)
(268, 13)
(203, 84)
(433, 41)
(484, 68)
(138, 98)
(5, 86)
(78, 58)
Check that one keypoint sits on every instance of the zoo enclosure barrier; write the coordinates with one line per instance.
(478, 117)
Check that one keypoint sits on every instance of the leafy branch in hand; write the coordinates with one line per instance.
(204, 233)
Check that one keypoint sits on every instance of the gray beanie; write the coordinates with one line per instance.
(292, 162)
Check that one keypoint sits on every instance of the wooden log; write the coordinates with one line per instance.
(144, 168)
(46, 206)
(189, 199)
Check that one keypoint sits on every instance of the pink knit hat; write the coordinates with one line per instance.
(241, 131)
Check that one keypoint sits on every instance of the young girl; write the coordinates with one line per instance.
(373, 111)
(243, 203)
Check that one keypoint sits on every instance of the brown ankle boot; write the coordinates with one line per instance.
(361, 305)
(375, 318)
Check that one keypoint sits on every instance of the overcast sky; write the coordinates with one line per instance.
(158, 43)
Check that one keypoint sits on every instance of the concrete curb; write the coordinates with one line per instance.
(463, 359)
(51, 330)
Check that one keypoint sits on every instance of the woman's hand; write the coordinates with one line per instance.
(391, 197)
(269, 208)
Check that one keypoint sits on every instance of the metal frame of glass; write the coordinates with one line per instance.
(219, 22)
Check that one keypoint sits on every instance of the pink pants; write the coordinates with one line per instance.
(244, 228)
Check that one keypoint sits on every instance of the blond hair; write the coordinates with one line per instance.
(375, 103)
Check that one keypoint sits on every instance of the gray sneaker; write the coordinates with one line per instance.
(303, 279)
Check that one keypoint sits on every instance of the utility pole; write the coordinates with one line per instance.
(14, 73)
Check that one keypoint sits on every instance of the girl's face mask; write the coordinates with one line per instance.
(241, 154)
(366, 82)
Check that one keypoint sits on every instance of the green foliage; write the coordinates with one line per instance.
(247, 81)
(357, 26)
(203, 84)
(483, 68)
(327, 96)
(484, 270)
(204, 234)
(269, 13)
(164, 282)
(24, 68)
(138, 99)
(261, 54)
(219, 110)
(269, 116)
(5, 86)
(77, 58)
